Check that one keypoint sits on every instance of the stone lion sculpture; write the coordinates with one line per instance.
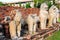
(43, 15)
(15, 26)
(53, 15)
(31, 16)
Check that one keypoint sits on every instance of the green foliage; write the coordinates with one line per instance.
(38, 6)
(19, 4)
(49, 4)
(28, 5)
(41, 1)
(37, 3)
(1, 4)
(54, 2)
(58, 6)
(59, 20)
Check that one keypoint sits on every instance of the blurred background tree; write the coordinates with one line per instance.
(37, 3)
(28, 5)
(1, 4)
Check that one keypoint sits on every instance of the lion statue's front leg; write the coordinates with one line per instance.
(43, 19)
(30, 24)
(12, 29)
(51, 18)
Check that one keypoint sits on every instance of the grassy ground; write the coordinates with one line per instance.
(55, 36)
(59, 20)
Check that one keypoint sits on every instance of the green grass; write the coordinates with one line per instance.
(59, 20)
(55, 36)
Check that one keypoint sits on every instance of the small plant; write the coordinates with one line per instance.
(28, 5)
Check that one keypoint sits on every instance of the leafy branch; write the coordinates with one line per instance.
(1, 4)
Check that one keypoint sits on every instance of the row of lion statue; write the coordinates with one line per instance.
(17, 16)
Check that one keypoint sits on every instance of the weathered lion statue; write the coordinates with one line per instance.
(43, 15)
(53, 15)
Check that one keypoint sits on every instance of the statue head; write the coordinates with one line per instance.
(44, 6)
(53, 9)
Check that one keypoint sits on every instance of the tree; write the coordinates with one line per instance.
(28, 5)
(37, 3)
(1, 4)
